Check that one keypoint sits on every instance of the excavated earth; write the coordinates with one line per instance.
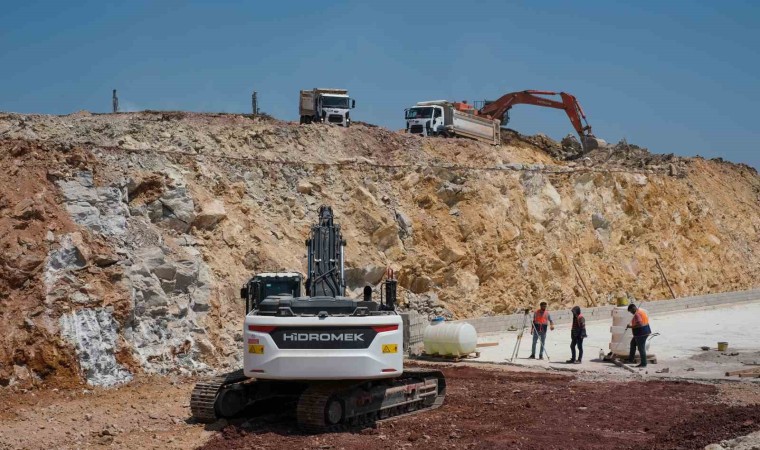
(485, 408)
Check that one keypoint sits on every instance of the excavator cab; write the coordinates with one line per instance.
(265, 285)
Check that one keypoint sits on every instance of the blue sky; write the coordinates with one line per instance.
(679, 76)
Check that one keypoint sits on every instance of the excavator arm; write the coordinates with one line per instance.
(325, 257)
(568, 102)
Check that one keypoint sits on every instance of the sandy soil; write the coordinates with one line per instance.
(485, 408)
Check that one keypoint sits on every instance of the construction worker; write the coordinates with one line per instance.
(641, 331)
(577, 334)
(541, 320)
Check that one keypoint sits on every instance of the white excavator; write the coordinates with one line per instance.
(338, 360)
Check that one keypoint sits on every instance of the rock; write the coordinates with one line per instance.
(451, 193)
(386, 237)
(201, 293)
(451, 253)
(26, 209)
(421, 284)
(598, 221)
(542, 199)
(509, 232)
(362, 195)
(165, 272)
(571, 146)
(304, 187)
(88, 417)
(358, 277)
(22, 373)
(404, 223)
(101, 209)
(93, 333)
(467, 281)
(210, 215)
(150, 257)
(177, 209)
(29, 262)
(68, 256)
(186, 273)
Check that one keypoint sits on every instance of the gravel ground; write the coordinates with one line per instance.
(486, 408)
(492, 409)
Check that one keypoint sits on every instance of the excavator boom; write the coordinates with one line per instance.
(499, 108)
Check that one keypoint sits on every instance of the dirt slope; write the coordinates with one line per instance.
(155, 219)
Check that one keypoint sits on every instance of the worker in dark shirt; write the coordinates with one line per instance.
(577, 334)
(541, 321)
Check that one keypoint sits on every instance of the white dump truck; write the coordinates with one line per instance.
(326, 105)
(444, 118)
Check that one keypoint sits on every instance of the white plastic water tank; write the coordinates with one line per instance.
(620, 344)
(450, 339)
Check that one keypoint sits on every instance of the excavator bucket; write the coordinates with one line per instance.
(592, 142)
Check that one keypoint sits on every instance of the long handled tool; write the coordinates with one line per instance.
(622, 339)
(520, 335)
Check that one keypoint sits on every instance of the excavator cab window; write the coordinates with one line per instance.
(279, 287)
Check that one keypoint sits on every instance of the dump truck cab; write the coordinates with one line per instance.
(326, 105)
(427, 120)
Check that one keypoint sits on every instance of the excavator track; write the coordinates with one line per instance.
(203, 398)
(324, 407)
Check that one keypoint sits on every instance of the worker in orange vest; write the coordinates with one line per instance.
(641, 331)
(541, 320)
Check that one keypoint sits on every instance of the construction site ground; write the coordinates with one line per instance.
(678, 347)
(488, 406)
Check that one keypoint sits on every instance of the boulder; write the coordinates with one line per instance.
(200, 294)
(386, 237)
(304, 187)
(451, 193)
(420, 284)
(541, 197)
(150, 258)
(68, 255)
(211, 213)
(451, 253)
(177, 209)
(405, 223)
(598, 221)
(358, 277)
(186, 274)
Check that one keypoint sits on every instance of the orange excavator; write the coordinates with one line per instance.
(499, 109)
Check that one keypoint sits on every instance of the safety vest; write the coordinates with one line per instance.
(640, 319)
(541, 317)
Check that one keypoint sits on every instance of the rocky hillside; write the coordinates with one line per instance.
(124, 238)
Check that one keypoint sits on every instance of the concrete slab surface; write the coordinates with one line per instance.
(682, 333)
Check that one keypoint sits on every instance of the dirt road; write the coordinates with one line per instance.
(484, 409)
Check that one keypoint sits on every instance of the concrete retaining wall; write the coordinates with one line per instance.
(498, 324)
